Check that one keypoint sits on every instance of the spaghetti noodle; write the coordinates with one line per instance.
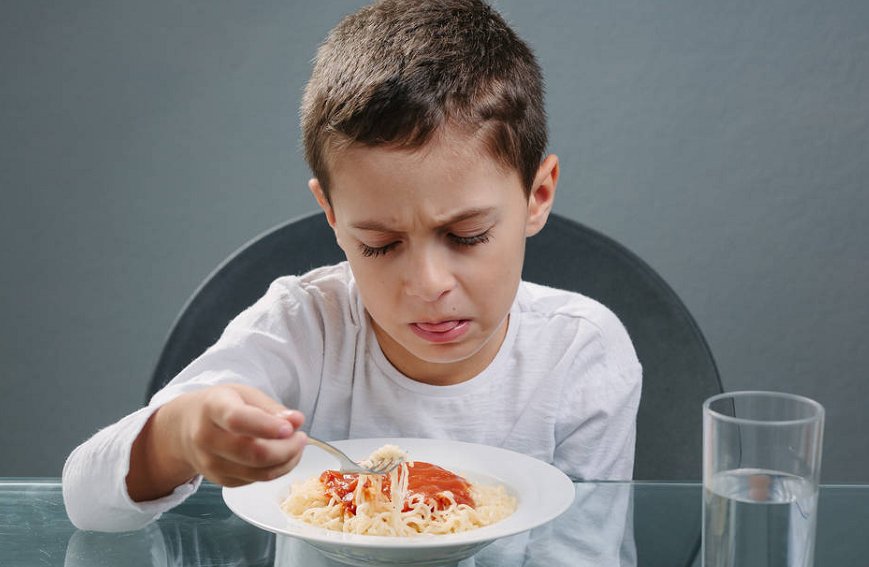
(414, 498)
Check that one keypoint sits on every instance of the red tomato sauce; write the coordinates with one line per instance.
(429, 480)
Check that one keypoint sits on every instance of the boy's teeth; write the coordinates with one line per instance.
(438, 327)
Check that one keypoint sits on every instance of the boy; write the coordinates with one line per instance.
(424, 126)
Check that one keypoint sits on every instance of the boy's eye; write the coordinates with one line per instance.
(481, 238)
(374, 251)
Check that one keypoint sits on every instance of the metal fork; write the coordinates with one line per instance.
(348, 465)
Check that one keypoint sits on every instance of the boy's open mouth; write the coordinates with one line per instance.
(438, 327)
(440, 332)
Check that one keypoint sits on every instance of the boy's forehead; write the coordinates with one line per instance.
(449, 148)
(380, 220)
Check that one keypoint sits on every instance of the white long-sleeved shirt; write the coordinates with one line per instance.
(564, 387)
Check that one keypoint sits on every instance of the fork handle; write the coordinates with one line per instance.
(325, 446)
(346, 462)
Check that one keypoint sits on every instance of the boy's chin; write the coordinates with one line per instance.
(447, 354)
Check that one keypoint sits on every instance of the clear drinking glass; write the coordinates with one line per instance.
(761, 466)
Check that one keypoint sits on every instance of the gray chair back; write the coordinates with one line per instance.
(679, 371)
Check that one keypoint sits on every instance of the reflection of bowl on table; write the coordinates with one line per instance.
(291, 552)
(542, 491)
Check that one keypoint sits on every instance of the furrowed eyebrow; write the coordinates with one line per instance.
(469, 214)
(371, 225)
(378, 226)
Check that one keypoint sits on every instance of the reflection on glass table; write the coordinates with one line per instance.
(624, 524)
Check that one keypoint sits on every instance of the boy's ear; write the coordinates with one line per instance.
(317, 191)
(542, 195)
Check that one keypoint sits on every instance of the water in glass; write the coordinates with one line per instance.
(758, 518)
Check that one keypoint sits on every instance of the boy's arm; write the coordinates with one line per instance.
(154, 471)
(94, 491)
(231, 434)
(129, 473)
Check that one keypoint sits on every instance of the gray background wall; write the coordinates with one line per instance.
(727, 143)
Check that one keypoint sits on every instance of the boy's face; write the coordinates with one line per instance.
(436, 240)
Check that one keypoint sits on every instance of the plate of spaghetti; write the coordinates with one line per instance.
(447, 500)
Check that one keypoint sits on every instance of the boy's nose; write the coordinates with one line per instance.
(429, 276)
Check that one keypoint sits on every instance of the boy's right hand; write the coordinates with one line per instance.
(231, 434)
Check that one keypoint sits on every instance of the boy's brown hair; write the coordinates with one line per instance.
(396, 72)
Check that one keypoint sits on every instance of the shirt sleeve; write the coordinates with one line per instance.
(596, 428)
(94, 481)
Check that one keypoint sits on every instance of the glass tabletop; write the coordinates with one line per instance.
(611, 523)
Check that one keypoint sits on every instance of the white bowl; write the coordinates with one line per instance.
(542, 493)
